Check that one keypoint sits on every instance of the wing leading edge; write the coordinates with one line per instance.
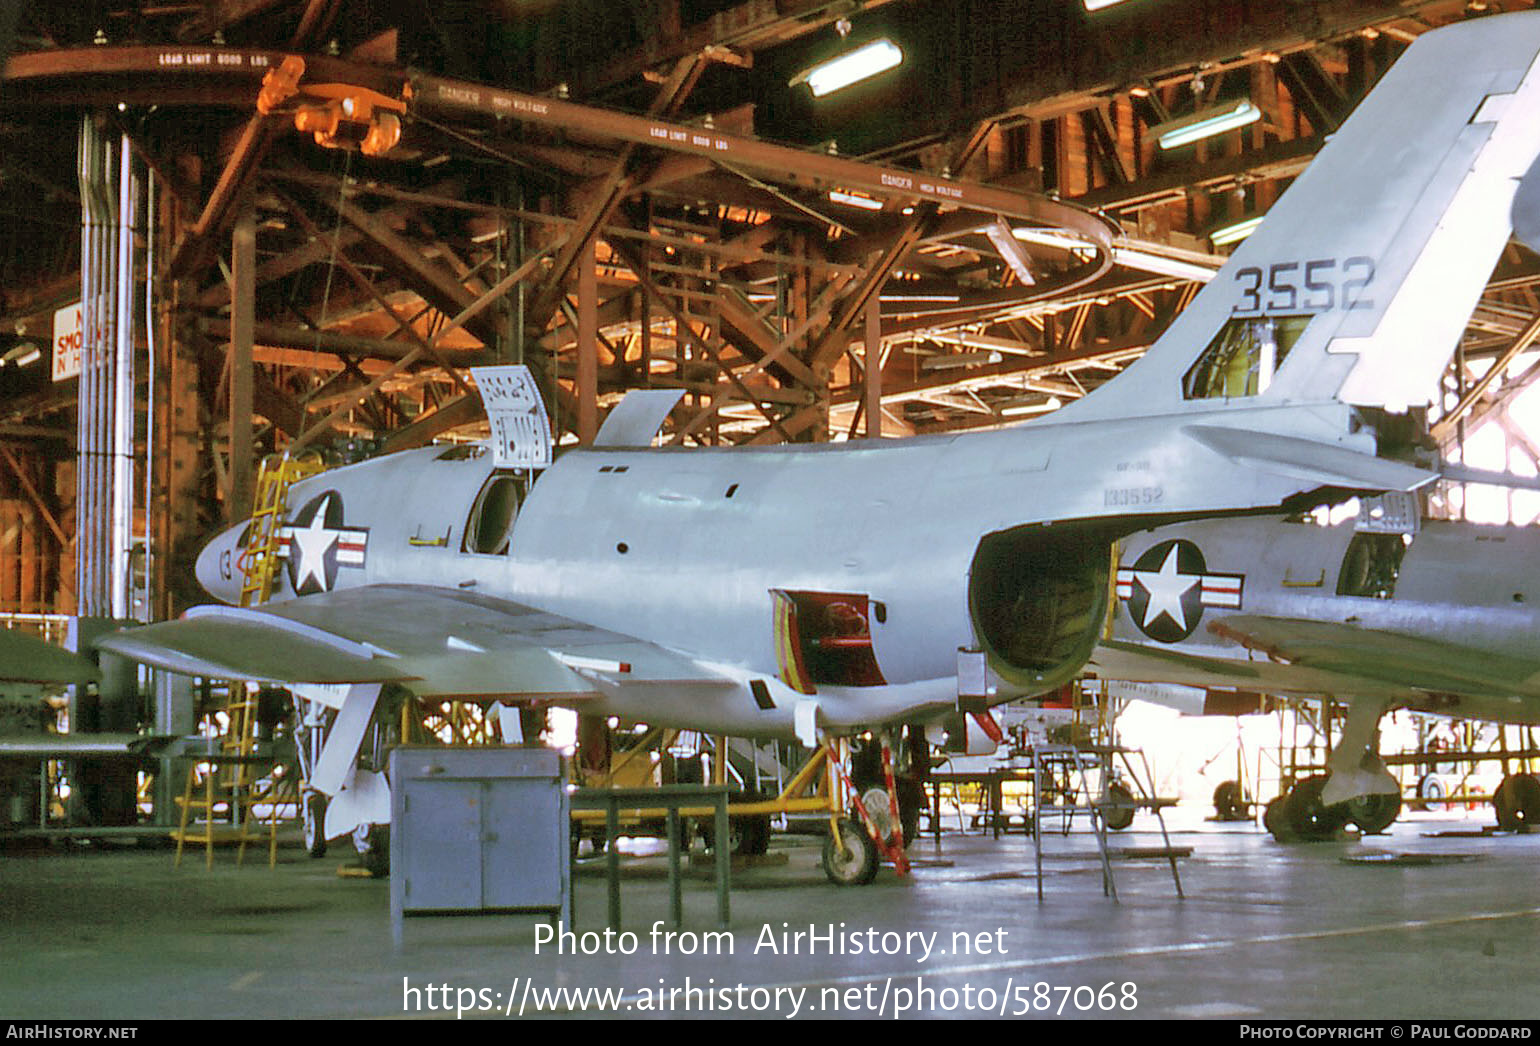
(438, 642)
(1382, 657)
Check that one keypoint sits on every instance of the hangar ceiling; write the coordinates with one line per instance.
(638, 193)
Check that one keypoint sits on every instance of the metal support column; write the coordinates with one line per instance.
(243, 265)
(872, 361)
(587, 345)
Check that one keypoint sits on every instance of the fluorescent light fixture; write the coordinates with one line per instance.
(1017, 410)
(1097, 5)
(944, 299)
(1235, 231)
(1205, 123)
(960, 359)
(1147, 261)
(850, 67)
(1048, 237)
(850, 199)
(1052, 238)
(23, 354)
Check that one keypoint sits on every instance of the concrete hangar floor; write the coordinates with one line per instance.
(1424, 922)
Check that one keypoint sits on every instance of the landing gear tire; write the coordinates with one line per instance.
(879, 809)
(1118, 807)
(912, 800)
(1309, 818)
(1373, 813)
(1517, 802)
(748, 835)
(1276, 820)
(314, 823)
(372, 841)
(1230, 802)
(1430, 792)
(854, 861)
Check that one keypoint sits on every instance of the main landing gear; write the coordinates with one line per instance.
(1300, 814)
(1517, 802)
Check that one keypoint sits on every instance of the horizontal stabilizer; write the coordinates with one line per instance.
(1309, 460)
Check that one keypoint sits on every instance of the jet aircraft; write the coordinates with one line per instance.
(837, 587)
(1434, 616)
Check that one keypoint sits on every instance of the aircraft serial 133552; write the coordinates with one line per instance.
(784, 591)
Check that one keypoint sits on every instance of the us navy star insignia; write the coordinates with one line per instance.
(1168, 586)
(316, 545)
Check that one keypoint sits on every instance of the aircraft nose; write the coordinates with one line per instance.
(218, 568)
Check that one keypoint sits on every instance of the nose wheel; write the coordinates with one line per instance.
(850, 859)
(314, 824)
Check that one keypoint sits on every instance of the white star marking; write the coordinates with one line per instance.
(311, 542)
(1166, 588)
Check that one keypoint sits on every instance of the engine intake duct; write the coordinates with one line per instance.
(1038, 598)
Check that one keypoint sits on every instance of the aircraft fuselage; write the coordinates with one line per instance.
(689, 548)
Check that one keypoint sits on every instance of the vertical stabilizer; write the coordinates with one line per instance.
(1360, 281)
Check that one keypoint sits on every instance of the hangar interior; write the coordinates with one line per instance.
(238, 230)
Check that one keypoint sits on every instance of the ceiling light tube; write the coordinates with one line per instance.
(1042, 407)
(960, 359)
(1146, 261)
(1235, 231)
(850, 68)
(22, 354)
(850, 199)
(1205, 123)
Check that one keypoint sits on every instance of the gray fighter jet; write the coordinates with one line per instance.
(789, 590)
(1436, 617)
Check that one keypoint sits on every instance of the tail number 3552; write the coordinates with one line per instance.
(1319, 285)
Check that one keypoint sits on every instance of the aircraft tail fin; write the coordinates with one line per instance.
(1360, 281)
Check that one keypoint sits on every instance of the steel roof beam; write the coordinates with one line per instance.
(604, 198)
(231, 189)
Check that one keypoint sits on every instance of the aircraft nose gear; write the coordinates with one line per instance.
(315, 824)
(1517, 802)
(843, 862)
(849, 856)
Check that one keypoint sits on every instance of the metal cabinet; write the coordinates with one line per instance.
(478, 829)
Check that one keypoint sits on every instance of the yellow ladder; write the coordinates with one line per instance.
(259, 559)
(230, 778)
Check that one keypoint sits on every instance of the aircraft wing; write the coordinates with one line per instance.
(1179, 666)
(1385, 658)
(439, 642)
(27, 659)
